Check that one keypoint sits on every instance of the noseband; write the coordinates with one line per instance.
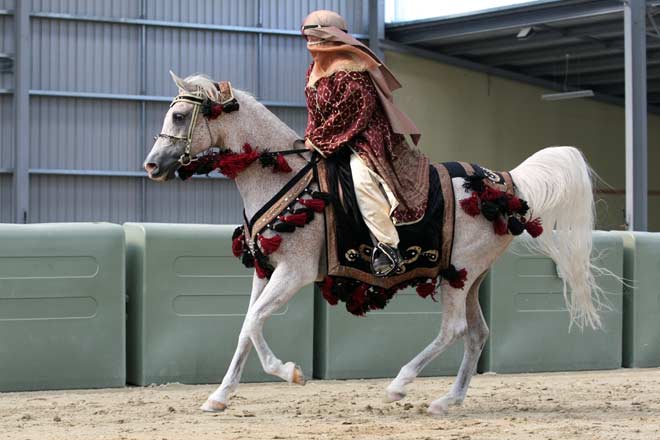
(209, 109)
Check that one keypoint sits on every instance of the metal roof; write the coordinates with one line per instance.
(574, 44)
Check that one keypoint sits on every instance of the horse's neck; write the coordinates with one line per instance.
(257, 185)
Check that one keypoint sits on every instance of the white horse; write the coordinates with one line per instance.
(556, 182)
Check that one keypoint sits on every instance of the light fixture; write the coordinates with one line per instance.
(567, 95)
(525, 33)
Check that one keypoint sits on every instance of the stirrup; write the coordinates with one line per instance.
(384, 259)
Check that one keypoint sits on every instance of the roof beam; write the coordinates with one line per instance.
(582, 50)
(546, 36)
(652, 86)
(604, 64)
(512, 18)
(613, 77)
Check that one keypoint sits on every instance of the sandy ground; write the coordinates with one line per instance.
(622, 404)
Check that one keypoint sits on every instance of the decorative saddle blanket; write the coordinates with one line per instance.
(425, 246)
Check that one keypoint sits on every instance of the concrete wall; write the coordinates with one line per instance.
(474, 117)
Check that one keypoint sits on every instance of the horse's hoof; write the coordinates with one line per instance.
(438, 408)
(212, 406)
(298, 377)
(394, 396)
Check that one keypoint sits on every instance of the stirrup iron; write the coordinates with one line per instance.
(384, 259)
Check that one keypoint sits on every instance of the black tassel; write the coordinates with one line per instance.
(474, 183)
(502, 204)
(237, 232)
(266, 159)
(184, 174)
(524, 208)
(489, 210)
(326, 197)
(247, 260)
(515, 226)
(284, 227)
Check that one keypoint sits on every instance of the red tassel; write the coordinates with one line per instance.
(471, 205)
(513, 203)
(261, 273)
(427, 289)
(499, 226)
(534, 227)
(216, 110)
(317, 205)
(326, 290)
(356, 303)
(455, 278)
(237, 246)
(459, 281)
(491, 194)
(299, 219)
(231, 164)
(281, 165)
(270, 245)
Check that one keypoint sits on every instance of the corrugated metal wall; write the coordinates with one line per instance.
(6, 117)
(100, 87)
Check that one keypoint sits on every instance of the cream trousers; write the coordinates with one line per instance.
(375, 200)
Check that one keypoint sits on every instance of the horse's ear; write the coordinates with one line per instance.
(181, 83)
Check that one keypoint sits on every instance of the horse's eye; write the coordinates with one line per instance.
(178, 117)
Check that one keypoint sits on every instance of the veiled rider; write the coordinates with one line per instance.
(350, 106)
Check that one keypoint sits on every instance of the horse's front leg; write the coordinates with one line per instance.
(286, 281)
(220, 397)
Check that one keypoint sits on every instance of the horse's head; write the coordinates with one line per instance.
(187, 130)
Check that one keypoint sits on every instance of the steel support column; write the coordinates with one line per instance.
(22, 112)
(376, 26)
(142, 135)
(636, 115)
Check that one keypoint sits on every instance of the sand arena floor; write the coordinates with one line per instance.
(622, 404)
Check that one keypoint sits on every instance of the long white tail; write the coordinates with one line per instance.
(556, 182)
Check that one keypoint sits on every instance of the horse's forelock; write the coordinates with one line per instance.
(204, 83)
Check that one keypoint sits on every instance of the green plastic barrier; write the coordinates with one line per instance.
(380, 343)
(188, 296)
(62, 306)
(641, 299)
(523, 304)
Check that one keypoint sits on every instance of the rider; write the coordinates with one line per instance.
(349, 103)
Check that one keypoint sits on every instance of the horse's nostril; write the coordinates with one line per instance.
(151, 167)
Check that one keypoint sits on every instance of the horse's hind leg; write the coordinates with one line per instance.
(474, 340)
(454, 325)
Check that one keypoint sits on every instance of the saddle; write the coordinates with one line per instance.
(426, 246)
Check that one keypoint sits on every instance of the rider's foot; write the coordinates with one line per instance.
(385, 259)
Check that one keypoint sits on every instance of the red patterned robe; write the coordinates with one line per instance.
(344, 109)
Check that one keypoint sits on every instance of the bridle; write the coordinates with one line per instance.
(210, 110)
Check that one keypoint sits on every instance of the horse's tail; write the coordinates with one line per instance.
(556, 182)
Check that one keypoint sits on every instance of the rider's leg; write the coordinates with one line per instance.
(375, 205)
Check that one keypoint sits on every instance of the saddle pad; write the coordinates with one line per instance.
(425, 246)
